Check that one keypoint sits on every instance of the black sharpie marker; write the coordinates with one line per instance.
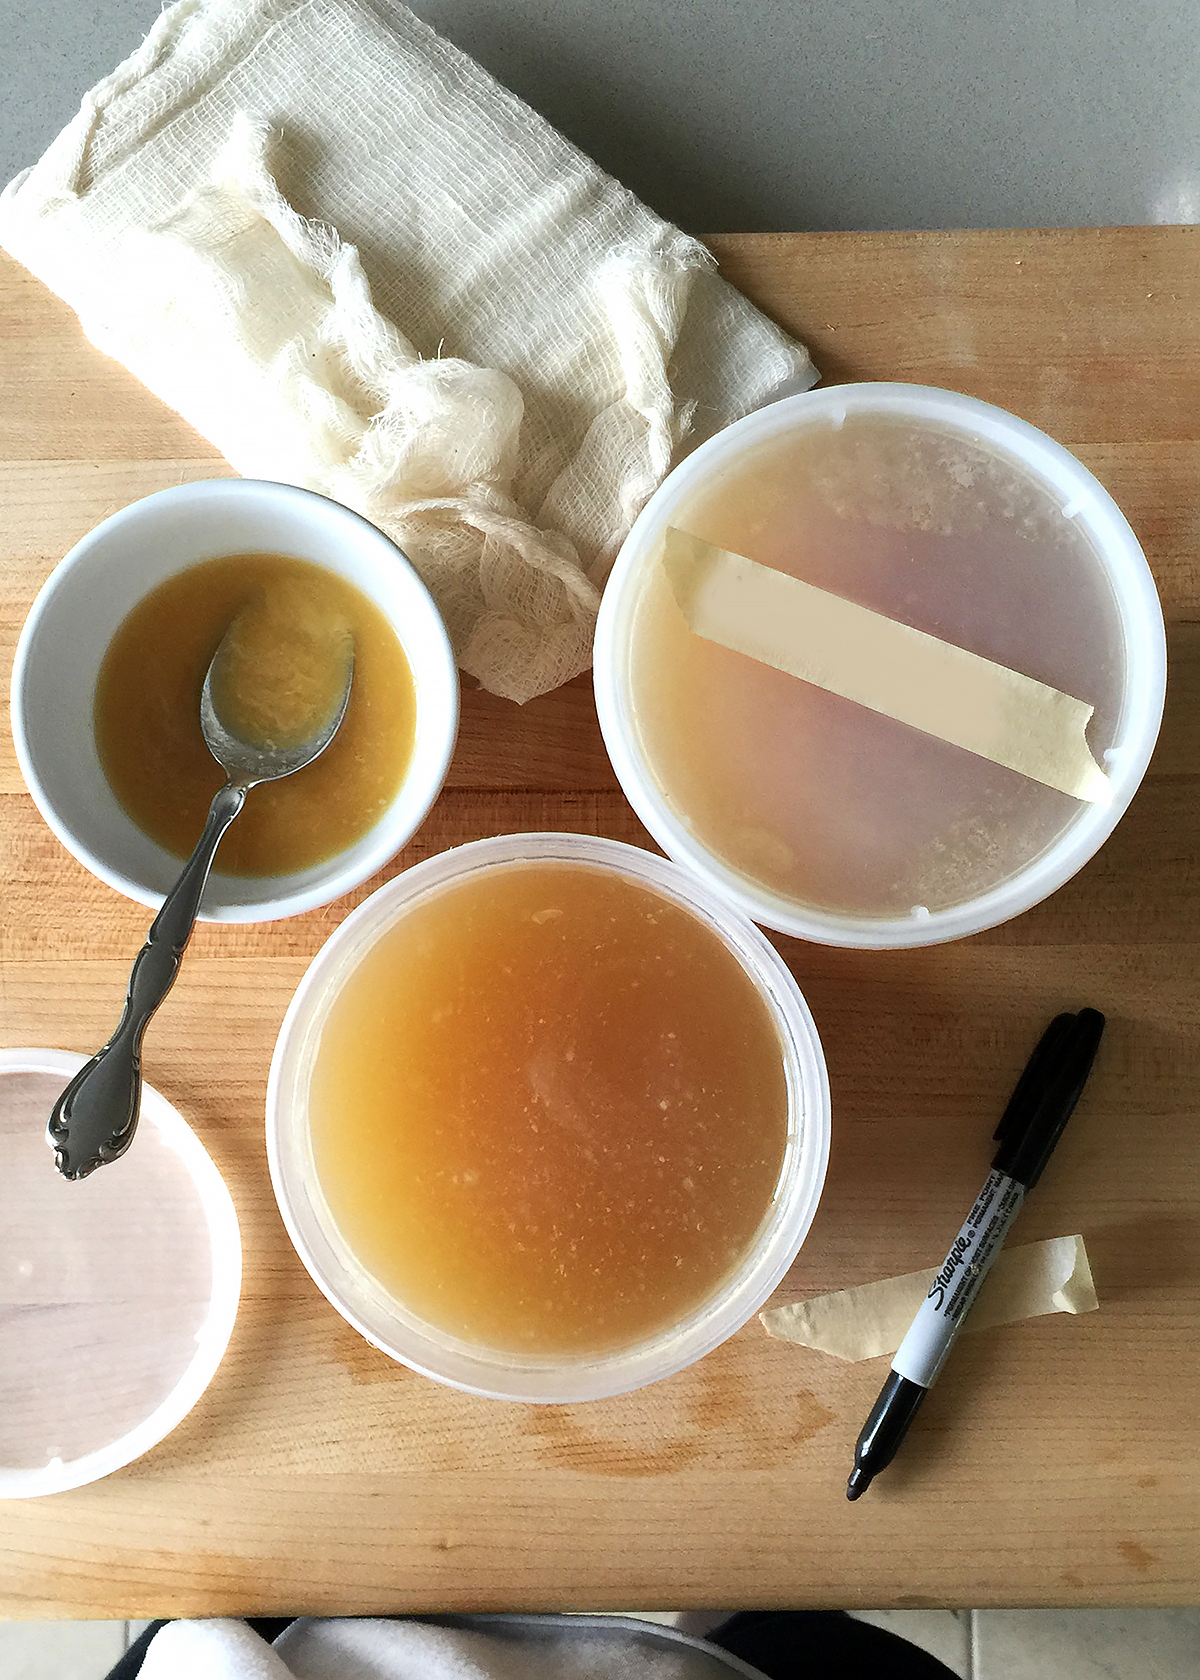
(1032, 1124)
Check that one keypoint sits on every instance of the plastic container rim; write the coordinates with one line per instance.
(1136, 600)
(489, 1373)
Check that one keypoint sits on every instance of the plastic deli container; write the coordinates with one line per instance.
(381, 1316)
(811, 814)
(119, 1290)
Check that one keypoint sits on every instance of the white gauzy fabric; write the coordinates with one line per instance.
(355, 262)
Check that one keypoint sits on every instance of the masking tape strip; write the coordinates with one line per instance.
(915, 678)
(1042, 1277)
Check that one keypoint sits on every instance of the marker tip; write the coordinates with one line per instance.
(858, 1484)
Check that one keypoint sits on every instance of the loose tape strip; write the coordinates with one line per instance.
(1042, 1277)
(936, 687)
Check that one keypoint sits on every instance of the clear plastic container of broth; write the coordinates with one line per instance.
(338, 1251)
(815, 815)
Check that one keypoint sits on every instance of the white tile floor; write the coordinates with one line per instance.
(1054, 1644)
(975, 1644)
(60, 1650)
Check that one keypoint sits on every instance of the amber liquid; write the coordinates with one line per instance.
(549, 1110)
(295, 619)
(815, 797)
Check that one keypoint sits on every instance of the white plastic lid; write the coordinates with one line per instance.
(1020, 449)
(117, 1292)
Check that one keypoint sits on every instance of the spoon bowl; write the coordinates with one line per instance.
(94, 1119)
(251, 762)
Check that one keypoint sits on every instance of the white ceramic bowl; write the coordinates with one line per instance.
(1117, 551)
(383, 1319)
(93, 589)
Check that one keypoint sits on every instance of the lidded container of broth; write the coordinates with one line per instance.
(816, 814)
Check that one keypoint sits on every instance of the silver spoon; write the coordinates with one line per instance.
(95, 1118)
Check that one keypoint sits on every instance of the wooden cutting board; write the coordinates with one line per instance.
(1055, 1462)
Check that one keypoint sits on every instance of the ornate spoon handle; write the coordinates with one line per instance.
(95, 1118)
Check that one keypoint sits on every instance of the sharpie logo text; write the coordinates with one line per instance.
(953, 1262)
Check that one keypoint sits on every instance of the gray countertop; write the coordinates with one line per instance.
(785, 114)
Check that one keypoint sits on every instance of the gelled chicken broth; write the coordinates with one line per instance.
(293, 620)
(549, 1110)
(813, 796)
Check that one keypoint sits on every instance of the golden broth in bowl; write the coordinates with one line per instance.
(147, 709)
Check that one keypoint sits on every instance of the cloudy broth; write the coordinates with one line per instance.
(817, 798)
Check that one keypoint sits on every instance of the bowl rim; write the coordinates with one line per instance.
(1138, 606)
(487, 1372)
(412, 802)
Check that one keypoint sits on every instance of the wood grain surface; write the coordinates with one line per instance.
(1055, 1463)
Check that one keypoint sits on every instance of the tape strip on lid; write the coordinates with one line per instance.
(943, 690)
